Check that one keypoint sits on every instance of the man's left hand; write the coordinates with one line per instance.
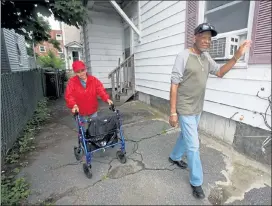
(109, 102)
(243, 48)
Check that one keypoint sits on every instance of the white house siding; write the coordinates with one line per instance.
(71, 33)
(234, 96)
(237, 91)
(105, 39)
(162, 27)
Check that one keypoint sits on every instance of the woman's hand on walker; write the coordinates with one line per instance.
(75, 108)
(109, 102)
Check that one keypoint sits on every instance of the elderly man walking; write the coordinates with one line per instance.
(188, 84)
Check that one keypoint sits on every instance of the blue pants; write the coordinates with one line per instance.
(84, 118)
(188, 142)
(87, 117)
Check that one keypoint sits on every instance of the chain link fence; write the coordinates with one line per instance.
(20, 93)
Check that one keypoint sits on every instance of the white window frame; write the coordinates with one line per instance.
(43, 47)
(248, 30)
(58, 36)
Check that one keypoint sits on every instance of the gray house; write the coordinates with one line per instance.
(13, 52)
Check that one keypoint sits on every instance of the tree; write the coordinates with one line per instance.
(22, 16)
(51, 60)
(29, 51)
(44, 30)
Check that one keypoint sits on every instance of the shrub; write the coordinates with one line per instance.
(51, 60)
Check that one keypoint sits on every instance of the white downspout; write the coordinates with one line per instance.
(139, 20)
(64, 48)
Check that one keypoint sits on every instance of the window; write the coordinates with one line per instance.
(19, 53)
(62, 56)
(42, 49)
(230, 19)
(227, 16)
(58, 37)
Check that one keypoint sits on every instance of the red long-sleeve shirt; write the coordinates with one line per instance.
(85, 98)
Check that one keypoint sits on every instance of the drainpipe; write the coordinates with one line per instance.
(139, 21)
(64, 48)
(34, 54)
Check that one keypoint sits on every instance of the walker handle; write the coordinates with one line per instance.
(112, 108)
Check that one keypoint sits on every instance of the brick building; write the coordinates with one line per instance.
(43, 48)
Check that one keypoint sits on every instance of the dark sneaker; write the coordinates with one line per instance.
(181, 164)
(198, 192)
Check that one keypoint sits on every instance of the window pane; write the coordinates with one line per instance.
(213, 4)
(231, 18)
(42, 48)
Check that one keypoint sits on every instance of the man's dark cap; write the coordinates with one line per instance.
(205, 27)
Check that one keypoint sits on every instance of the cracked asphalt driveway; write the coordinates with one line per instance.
(147, 178)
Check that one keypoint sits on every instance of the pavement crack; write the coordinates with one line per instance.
(55, 197)
(68, 164)
(133, 173)
(110, 166)
(163, 132)
(133, 168)
(96, 182)
(138, 153)
(134, 150)
(76, 163)
(161, 169)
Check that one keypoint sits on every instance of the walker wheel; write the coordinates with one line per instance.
(121, 157)
(87, 171)
(78, 153)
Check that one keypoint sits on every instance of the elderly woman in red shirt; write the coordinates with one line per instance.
(82, 91)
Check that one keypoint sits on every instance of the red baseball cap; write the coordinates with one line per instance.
(78, 65)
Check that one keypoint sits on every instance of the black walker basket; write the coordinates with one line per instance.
(102, 130)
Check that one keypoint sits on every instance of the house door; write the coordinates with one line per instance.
(127, 42)
(128, 45)
(75, 55)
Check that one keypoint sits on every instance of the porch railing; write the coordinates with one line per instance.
(123, 78)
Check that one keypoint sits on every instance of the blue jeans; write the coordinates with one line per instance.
(188, 142)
